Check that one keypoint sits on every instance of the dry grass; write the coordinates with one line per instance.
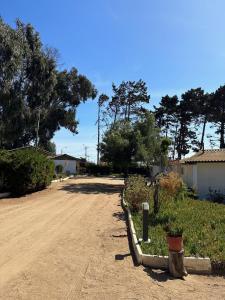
(171, 183)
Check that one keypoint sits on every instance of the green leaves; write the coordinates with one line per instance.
(26, 171)
(35, 98)
(203, 225)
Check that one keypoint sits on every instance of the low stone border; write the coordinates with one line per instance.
(194, 265)
(4, 195)
(61, 179)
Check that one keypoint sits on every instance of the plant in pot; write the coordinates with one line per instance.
(174, 237)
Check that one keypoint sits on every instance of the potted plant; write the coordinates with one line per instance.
(174, 237)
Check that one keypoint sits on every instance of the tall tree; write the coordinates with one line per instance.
(165, 114)
(186, 136)
(167, 119)
(127, 101)
(35, 98)
(101, 100)
(117, 145)
(218, 114)
(134, 142)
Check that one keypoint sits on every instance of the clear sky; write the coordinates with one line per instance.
(173, 45)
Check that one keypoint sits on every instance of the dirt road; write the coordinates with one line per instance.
(70, 242)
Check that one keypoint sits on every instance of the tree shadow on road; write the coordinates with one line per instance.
(92, 188)
(120, 216)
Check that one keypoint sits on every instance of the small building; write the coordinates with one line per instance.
(68, 162)
(205, 172)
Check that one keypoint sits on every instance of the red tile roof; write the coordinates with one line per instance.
(215, 155)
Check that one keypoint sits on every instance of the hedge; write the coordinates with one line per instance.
(94, 169)
(25, 171)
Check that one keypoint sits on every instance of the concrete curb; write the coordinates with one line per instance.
(194, 265)
(61, 179)
(4, 195)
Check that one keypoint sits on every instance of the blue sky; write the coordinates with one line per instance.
(173, 45)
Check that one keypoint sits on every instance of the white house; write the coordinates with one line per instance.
(205, 171)
(68, 162)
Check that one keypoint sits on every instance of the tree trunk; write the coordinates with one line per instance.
(179, 144)
(203, 134)
(222, 144)
(128, 112)
(115, 116)
(175, 140)
(98, 146)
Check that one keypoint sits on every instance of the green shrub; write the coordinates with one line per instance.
(4, 159)
(94, 169)
(216, 196)
(59, 169)
(136, 192)
(26, 171)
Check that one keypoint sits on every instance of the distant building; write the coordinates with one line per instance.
(69, 163)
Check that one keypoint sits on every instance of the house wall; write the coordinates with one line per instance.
(187, 175)
(176, 167)
(68, 165)
(211, 175)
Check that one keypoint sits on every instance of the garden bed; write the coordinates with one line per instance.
(203, 223)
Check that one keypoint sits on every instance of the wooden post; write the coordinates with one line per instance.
(176, 264)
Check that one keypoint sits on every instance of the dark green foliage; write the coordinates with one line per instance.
(136, 192)
(173, 231)
(127, 143)
(117, 145)
(93, 169)
(36, 99)
(127, 101)
(184, 120)
(59, 169)
(26, 171)
(216, 196)
(218, 114)
(203, 225)
(49, 146)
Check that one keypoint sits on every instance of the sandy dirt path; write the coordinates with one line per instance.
(70, 242)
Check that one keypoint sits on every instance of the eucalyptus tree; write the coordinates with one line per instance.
(127, 102)
(36, 99)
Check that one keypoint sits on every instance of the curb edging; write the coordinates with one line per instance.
(194, 265)
(60, 180)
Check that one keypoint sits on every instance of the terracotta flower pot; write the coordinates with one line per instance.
(175, 243)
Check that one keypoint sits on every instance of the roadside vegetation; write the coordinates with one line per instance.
(25, 171)
(202, 222)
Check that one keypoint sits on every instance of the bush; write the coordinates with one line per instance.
(94, 169)
(26, 171)
(136, 192)
(59, 169)
(216, 196)
(4, 159)
(172, 184)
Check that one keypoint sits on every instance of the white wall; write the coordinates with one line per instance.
(211, 175)
(187, 174)
(68, 165)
